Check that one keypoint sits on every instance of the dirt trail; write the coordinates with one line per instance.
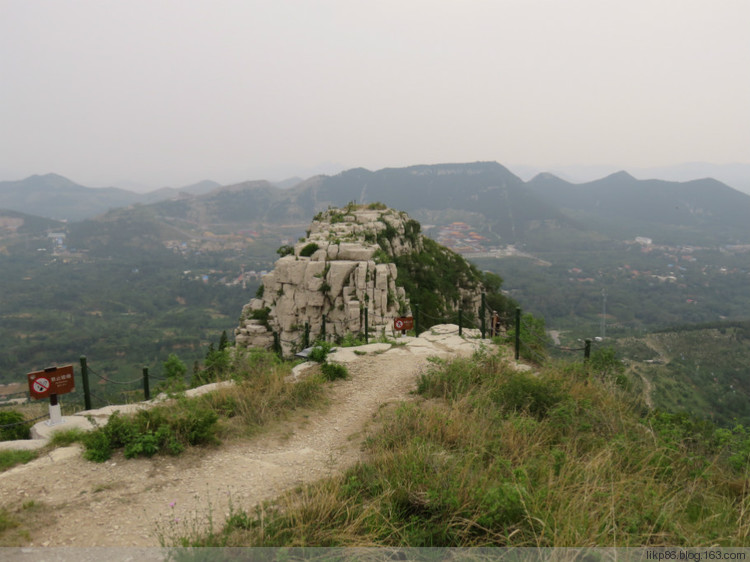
(123, 502)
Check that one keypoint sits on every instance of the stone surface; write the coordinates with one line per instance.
(337, 282)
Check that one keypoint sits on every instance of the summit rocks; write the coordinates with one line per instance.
(342, 267)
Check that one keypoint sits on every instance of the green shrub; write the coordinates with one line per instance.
(67, 437)
(98, 446)
(320, 351)
(167, 429)
(174, 373)
(15, 427)
(334, 371)
(352, 340)
(285, 250)
(309, 250)
(262, 315)
(524, 393)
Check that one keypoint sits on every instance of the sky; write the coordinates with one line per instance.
(150, 93)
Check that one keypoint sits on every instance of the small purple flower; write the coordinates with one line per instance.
(172, 504)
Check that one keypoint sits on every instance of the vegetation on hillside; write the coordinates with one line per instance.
(256, 395)
(438, 282)
(700, 369)
(494, 457)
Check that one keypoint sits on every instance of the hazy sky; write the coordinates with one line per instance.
(170, 92)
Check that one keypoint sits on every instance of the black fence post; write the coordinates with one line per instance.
(518, 332)
(587, 350)
(146, 388)
(367, 325)
(460, 321)
(85, 379)
(416, 320)
(323, 329)
(277, 343)
(307, 335)
(483, 314)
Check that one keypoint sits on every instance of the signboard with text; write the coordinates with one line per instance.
(404, 323)
(55, 380)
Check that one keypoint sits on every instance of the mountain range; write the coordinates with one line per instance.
(56, 197)
(485, 194)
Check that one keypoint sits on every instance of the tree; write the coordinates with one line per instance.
(223, 341)
(174, 373)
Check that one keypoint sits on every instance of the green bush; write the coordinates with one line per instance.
(261, 315)
(161, 429)
(334, 371)
(15, 427)
(174, 373)
(67, 437)
(285, 250)
(309, 250)
(524, 393)
(320, 351)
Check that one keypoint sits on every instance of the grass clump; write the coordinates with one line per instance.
(330, 371)
(493, 457)
(260, 395)
(66, 437)
(166, 429)
(12, 457)
(13, 426)
(334, 371)
(308, 250)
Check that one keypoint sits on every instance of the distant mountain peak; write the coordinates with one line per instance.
(622, 175)
(52, 180)
(545, 176)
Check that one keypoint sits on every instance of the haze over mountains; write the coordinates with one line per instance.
(487, 193)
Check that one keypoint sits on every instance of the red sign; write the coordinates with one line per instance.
(404, 323)
(55, 380)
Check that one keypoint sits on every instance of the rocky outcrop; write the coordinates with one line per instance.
(342, 268)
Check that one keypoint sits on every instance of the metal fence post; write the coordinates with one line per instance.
(587, 350)
(518, 332)
(416, 320)
(307, 335)
(367, 325)
(483, 314)
(146, 388)
(460, 321)
(323, 329)
(86, 389)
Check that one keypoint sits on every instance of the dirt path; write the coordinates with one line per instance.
(124, 502)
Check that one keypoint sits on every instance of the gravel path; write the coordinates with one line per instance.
(124, 502)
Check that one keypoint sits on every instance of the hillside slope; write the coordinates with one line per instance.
(128, 502)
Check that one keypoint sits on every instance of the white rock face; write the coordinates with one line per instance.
(334, 274)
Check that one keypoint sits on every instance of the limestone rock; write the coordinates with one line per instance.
(333, 275)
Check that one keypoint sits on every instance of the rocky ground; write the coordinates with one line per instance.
(136, 502)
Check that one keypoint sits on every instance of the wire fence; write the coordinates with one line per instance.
(109, 391)
(24, 422)
(490, 323)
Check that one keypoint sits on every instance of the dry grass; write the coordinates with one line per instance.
(494, 458)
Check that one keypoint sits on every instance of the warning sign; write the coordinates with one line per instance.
(40, 385)
(404, 323)
(55, 380)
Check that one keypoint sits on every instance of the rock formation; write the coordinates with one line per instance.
(327, 280)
